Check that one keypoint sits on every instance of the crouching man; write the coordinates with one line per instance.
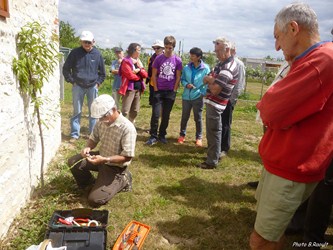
(116, 136)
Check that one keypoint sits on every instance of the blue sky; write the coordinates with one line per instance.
(194, 23)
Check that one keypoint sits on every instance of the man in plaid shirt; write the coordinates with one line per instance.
(117, 137)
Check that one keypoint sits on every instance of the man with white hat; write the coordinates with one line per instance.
(117, 137)
(84, 69)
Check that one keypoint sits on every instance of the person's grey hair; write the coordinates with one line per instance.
(233, 46)
(224, 41)
(301, 13)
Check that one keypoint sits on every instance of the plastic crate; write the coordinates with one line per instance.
(75, 236)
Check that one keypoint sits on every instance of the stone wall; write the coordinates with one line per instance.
(20, 150)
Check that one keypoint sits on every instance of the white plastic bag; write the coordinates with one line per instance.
(46, 245)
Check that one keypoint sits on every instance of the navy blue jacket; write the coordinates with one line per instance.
(86, 69)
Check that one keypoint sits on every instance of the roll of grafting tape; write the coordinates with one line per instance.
(93, 223)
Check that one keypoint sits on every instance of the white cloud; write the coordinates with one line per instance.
(195, 23)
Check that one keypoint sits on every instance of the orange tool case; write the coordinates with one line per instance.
(132, 237)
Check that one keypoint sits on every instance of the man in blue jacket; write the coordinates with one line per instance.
(84, 69)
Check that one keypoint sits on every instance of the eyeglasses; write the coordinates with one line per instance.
(107, 114)
(87, 42)
(156, 48)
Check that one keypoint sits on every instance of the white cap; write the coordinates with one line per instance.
(101, 105)
(87, 36)
(224, 41)
(158, 43)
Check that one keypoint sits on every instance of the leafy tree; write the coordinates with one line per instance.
(67, 35)
(107, 54)
(210, 59)
(185, 58)
(254, 73)
(37, 59)
(269, 76)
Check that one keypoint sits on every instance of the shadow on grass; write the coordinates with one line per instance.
(177, 155)
(220, 223)
(154, 161)
(245, 154)
(63, 190)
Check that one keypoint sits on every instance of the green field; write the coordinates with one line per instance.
(186, 207)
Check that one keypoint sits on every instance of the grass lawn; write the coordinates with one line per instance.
(186, 207)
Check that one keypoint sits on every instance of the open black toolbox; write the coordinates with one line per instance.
(78, 236)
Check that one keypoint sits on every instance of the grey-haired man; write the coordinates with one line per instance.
(220, 85)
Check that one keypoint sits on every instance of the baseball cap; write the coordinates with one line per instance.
(222, 40)
(101, 105)
(117, 49)
(158, 43)
(87, 36)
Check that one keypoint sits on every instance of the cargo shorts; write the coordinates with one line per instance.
(277, 200)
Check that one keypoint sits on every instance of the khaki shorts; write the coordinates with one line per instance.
(277, 200)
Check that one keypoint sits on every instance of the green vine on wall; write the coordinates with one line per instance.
(37, 58)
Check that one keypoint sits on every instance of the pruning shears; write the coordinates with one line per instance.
(125, 238)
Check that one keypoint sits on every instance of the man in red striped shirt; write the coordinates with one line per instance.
(220, 82)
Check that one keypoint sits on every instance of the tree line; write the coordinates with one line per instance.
(68, 39)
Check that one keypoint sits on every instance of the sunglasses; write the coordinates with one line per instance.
(156, 48)
(87, 42)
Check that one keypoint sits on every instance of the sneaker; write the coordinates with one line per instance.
(181, 139)
(163, 140)
(198, 143)
(151, 141)
(204, 165)
(128, 180)
(223, 153)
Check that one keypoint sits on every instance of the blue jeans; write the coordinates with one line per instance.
(78, 94)
(187, 106)
(163, 101)
(213, 134)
